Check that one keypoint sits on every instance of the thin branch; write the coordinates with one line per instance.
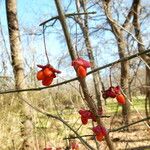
(114, 130)
(44, 41)
(66, 15)
(125, 30)
(146, 64)
(113, 21)
(57, 118)
(76, 78)
(133, 123)
(128, 17)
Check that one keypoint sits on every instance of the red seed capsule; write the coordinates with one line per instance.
(40, 75)
(47, 81)
(81, 71)
(99, 137)
(84, 120)
(121, 99)
(47, 72)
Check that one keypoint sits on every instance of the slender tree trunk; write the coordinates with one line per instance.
(85, 90)
(85, 30)
(18, 69)
(124, 81)
(146, 58)
(118, 33)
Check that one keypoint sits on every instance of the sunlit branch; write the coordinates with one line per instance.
(76, 78)
(67, 15)
(114, 130)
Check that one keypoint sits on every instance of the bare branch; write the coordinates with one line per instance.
(57, 118)
(114, 22)
(73, 79)
(66, 15)
(114, 130)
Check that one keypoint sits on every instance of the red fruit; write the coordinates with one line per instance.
(121, 99)
(74, 146)
(85, 113)
(100, 137)
(81, 71)
(109, 93)
(40, 75)
(47, 72)
(117, 89)
(81, 62)
(47, 81)
(99, 130)
(84, 120)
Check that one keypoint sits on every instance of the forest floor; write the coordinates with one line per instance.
(137, 138)
(52, 132)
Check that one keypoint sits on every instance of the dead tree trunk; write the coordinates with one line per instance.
(118, 33)
(18, 69)
(73, 55)
(146, 58)
(83, 23)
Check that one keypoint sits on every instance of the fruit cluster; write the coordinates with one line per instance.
(100, 131)
(114, 92)
(74, 145)
(87, 114)
(81, 66)
(47, 74)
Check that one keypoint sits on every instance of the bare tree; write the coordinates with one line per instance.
(122, 45)
(83, 23)
(83, 84)
(146, 58)
(18, 69)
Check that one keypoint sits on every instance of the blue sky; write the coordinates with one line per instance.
(30, 14)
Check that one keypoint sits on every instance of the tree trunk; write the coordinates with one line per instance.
(18, 69)
(96, 76)
(85, 90)
(124, 81)
(146, 58)
(118, 33)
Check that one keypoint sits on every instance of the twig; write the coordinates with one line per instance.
(133, 123)
(44, 41)
(125, 30)
(66, 15)
(76, 78)
(135, 109)
(114, 130)
(146, 64)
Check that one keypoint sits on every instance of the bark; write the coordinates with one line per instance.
(146, 58)
(18, 69)
(118, 33)
(85, 30)
(85, 90)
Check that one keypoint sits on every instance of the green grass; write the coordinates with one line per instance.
(137, 102)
